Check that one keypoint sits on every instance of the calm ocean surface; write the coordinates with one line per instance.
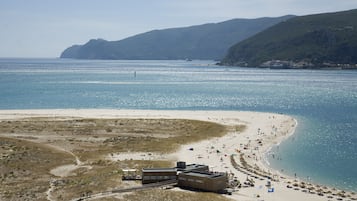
(324, 148)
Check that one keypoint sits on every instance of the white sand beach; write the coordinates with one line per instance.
(263, 130)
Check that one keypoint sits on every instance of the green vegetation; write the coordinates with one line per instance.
(24, 168)
(208, 41)
(101, 177)
(35, 146)
(158, 194)
(323, 40)
(94, 138)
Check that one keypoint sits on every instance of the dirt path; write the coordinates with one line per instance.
(126, 190)
(66, 170)
(63, 171)
(49, 191)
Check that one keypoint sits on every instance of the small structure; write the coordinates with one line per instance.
(131, 174)
(182, 167)
(153, 175)
(205, 181)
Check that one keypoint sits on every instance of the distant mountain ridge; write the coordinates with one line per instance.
(312, 41)
(207, 41)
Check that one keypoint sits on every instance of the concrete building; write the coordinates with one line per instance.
(192, 176)
(205, 181)
(182, 167)
(153, 175)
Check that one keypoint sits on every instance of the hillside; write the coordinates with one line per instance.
(208, 41)
(322, 40)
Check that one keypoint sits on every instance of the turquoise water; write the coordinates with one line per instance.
(324, 102)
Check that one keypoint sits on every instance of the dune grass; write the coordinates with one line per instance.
(104, 136)
(28, 154)
(160, 194)
(24, 168)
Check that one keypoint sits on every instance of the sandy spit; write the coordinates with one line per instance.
(263, 130)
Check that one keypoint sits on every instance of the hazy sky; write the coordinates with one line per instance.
(44, 28)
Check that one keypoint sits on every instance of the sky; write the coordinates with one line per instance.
(44, 28)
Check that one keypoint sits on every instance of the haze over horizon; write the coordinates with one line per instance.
(44, 28)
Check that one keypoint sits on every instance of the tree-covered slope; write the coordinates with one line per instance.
(208, 41)
(320, 40)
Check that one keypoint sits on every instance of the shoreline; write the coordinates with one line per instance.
(263, 131)
(265, 158)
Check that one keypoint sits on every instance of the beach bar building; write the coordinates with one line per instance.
(205, 181)
(191, 176)
(153, 175)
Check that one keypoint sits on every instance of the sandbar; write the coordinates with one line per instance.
(239, 153)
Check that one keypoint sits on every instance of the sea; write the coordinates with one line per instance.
(322, 150)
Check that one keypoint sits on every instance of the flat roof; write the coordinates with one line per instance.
(189, 167)
(159, 169)
(195, 165)
(130, 170)
(203, 174)
(192, 166)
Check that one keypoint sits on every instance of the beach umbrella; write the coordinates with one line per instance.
(302, 184)
(341, 194)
